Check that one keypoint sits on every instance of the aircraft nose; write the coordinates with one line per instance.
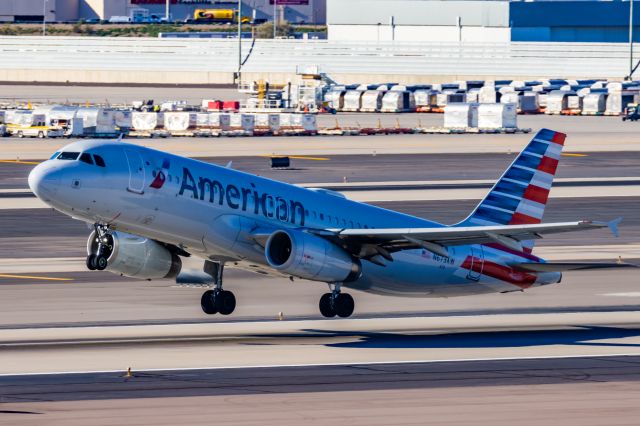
(44, 180)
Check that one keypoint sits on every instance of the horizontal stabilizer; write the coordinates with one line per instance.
(569, 266)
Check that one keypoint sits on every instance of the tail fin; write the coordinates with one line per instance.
(520, 195)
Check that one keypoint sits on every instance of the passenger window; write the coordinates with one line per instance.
(86, 158)
(69, 156)
(99, 160)
(54, 155)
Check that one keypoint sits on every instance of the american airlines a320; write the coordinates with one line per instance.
(319, 212)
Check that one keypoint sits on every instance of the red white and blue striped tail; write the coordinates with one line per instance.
(521, 194)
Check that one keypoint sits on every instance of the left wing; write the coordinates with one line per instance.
(367, 243)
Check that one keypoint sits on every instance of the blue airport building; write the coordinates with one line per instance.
(480, 20)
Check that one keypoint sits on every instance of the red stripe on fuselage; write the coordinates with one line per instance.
(523, 219)
(548, 165)
(537, 194)
(500, 272)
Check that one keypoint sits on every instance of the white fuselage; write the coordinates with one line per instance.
(215, 213)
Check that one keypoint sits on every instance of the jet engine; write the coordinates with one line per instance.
(311, 257)
(137, 257)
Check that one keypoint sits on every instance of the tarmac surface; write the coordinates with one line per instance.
(565, 354)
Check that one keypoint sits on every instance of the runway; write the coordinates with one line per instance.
(570, 391)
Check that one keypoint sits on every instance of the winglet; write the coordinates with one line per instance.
(229, 165)
(120, 137)
(613, 226)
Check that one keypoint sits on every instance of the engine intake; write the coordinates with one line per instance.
(311, 257)
(138, 257)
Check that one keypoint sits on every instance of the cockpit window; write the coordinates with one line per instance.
(55, 154)
(86, 158)
(68, 156)
(99, 160)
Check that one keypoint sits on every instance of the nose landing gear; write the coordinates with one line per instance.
(217, 300)
(336, 303)
(98, 260)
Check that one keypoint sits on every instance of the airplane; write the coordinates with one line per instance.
(148, 209)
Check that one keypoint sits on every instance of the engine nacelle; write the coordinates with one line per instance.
(311, 257)
(137, 257)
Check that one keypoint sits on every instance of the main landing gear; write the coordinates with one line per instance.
(336, 303)
(103, 249)
(217, 300)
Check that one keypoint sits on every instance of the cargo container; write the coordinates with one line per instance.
(335, 99)
(146, 121)
(594, 104)
(497, 116)
(617, 101)
(242, 122)
(398, 101)
(372, 100)
(180, 121)
(461, 115)
(97, 121)
(425, 100)
(353, 100)
(557, 101)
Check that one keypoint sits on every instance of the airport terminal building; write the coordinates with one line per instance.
(481, 21)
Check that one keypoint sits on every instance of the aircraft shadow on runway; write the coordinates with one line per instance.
(582, 336)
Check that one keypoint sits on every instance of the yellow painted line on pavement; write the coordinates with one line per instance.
(30, 277)
(569, 154)
(20, 162)
(298, 157)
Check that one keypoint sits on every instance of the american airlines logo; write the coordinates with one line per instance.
(161, 176)
(245, 199)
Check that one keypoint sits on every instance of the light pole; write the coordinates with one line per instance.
(630, 39)
(275, 17)
(239, 38)
(44, 18)
(166, 11)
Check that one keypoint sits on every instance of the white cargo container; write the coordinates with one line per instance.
(243, 122)
(180, 121)
(618, 101)
(557, 101)
(353, 101)
(220, 121)
(497, 116)
(594, 104)
(57, 114)
(487, 95)
(145, 121)
(444, 99)
(202, 120)
(372, 100)
(398, 101)
(473, 95)
(267, 122)
(335, 99)
(124, 119)
(461, 115)
(511, 98)
(97, 120)
(574, 103)
(425, 99)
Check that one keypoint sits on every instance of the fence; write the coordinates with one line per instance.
(205, 61)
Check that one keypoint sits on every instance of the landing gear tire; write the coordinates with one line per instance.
(226, 302)
(336, 303)
(344, 305)
(207, 301)
(101, 262)
(217, 300)
(326, 306)
(91, 262)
